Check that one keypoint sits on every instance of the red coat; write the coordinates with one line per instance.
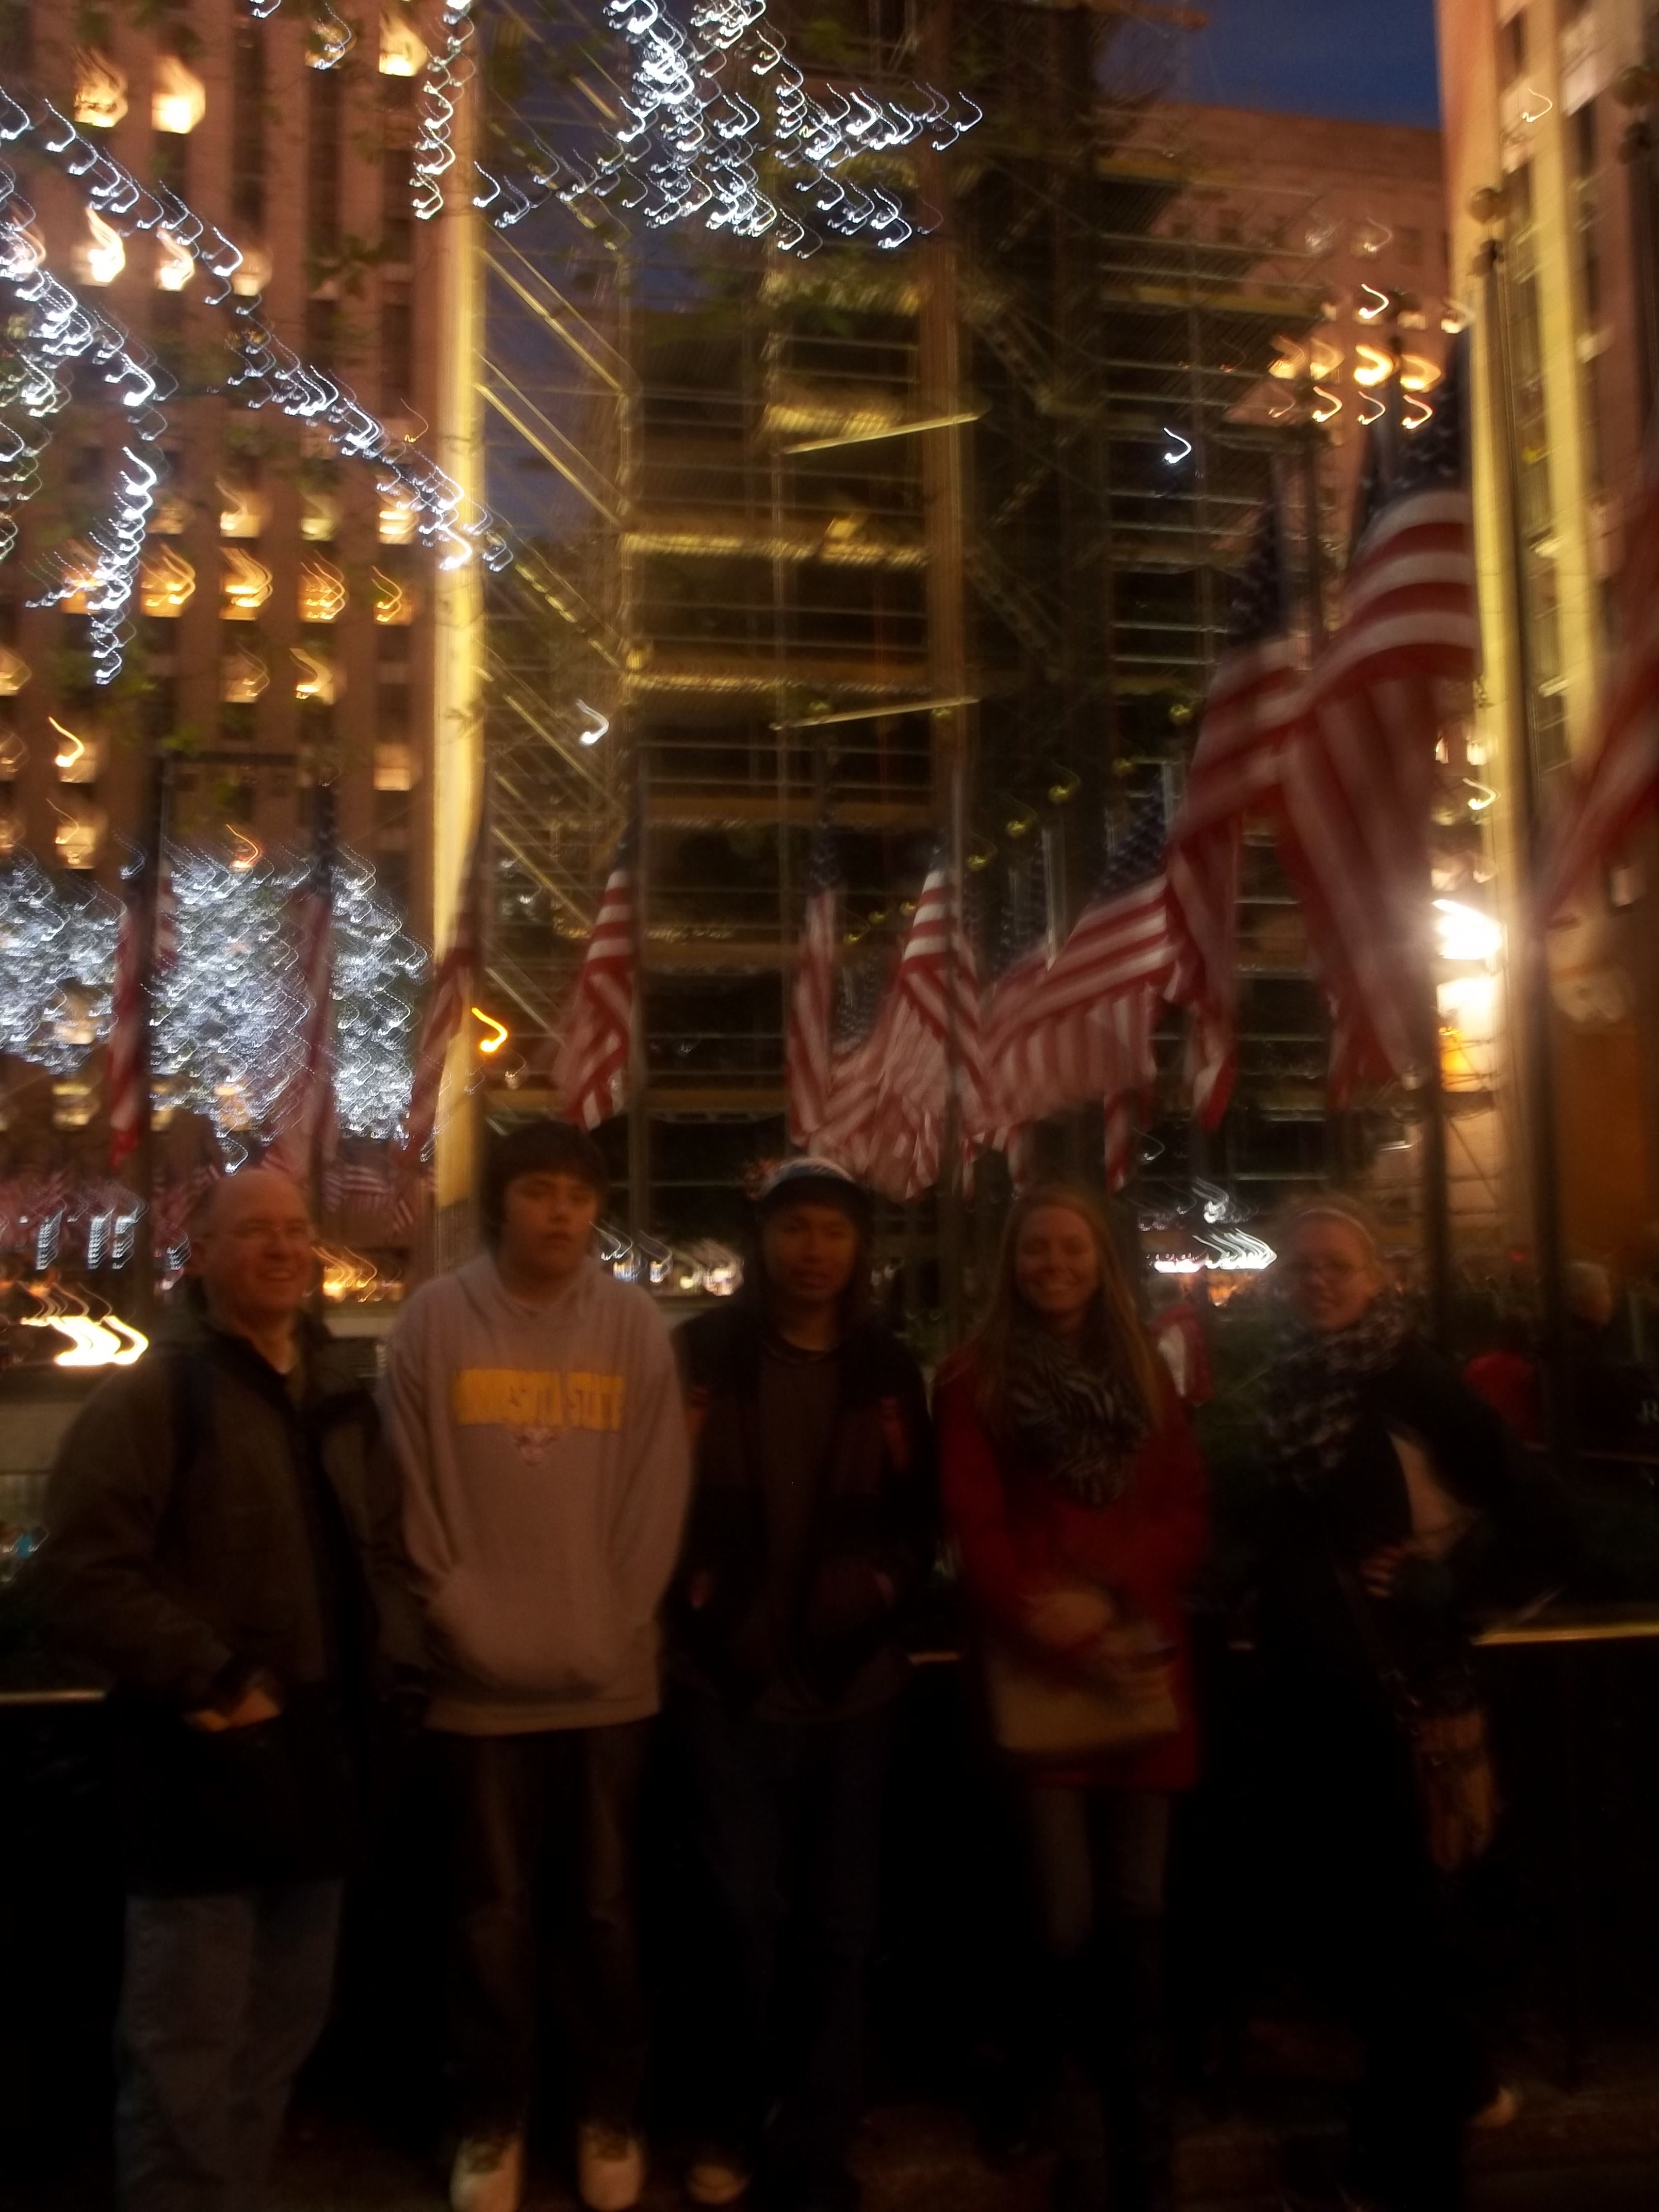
(1018, 1534)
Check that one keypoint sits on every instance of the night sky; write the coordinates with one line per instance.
(1370, 59)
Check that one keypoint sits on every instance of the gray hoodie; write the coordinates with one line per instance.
(545, 1476)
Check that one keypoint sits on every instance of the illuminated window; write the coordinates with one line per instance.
(243, 677)
(13, 675)
(402, 53)
(394, 605)
(177, 98)
(173, 266)
(322, 591)
(319, 516)
(77, 759)
(397, 517)
(244, 510)
(79, 837)
(316, 676)
(394, 767)
(166, 583)
(103, 256)
(246, 586)
(100, 90)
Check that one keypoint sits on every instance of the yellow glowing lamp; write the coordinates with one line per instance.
(106, 1343)
(173, 266)
(498, 1031)
(14, 756)
(246, 585)
(100, 90)
(402, 53)
(166, 583)
(317, 679)
(322, 591)
(243, 677)
(14, 672)
(392, 604)
(103, 255)
(246, 851)
(178, 98)
(1416, 375)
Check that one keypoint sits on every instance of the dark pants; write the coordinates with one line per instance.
(1097, 1860)
(787, 1819)
(222, 1999)
(1375, 1912)
(543, 1832)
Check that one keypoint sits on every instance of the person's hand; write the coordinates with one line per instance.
(1066, 1620)
(255, 1704)
(1380, 1571)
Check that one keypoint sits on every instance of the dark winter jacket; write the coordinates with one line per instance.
(203, 1528)
(1519, 1546)
(876, 1533)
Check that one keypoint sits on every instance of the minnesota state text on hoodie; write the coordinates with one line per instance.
(546, 1477)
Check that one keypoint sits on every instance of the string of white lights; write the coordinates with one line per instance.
(56, 966)
(230, 1002)
(441, 83)
(60, 328)
(270, 371)
(690, 147)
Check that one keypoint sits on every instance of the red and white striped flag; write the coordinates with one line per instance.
(307, 1101)
(1622, 780)
(1358, 777)
(1090, 1021)
(450, 993)
(927, 1044)
(591, 1065)
(810, 1047)
(1254, 698)
(146, 945)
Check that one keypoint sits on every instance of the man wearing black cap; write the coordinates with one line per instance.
(811, 1525)
(535, 1405)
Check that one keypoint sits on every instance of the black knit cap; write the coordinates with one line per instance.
(538, 1148)
(815, 1183)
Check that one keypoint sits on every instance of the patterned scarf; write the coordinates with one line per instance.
(1313, 1386)
(1075, 1417)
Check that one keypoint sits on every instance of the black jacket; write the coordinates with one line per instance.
(201, 1527)
(1315, 1535)
(877, 1518)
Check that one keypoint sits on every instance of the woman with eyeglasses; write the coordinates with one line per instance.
(1390, 1479)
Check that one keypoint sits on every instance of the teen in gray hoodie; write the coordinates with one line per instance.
(534, 1403)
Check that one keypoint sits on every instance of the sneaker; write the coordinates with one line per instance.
(610, 2168)
(716, 2176)
(488, 2175)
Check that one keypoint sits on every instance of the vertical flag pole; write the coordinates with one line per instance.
(1532, 997)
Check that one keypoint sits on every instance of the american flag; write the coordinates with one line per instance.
(590, 1068)
(146, 943)
(307, 1107)
(1622, 780)
(1096, 1007)
(890, 1094)
(812, 1001)
(1254, 698)
(446, 1001)
(1358, 777)
(857, 1056)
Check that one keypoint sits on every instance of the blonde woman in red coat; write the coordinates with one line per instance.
(1078, 1504)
